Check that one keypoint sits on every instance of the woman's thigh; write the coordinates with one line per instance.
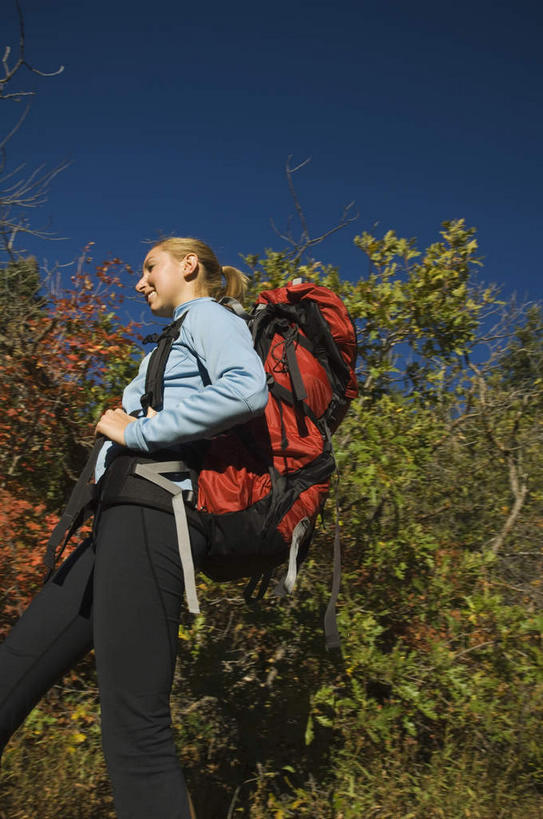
(138, 594)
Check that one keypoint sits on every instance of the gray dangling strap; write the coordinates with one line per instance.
(185, 552)
(151, 472)
(286, 584)
(331, 633)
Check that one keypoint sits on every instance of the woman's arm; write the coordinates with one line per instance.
(237, 392)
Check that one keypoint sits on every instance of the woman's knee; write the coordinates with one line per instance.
(137, 731)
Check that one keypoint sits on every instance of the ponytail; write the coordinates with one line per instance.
(210, 275)
(236, 283)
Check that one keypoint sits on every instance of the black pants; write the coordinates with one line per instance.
(122, 596)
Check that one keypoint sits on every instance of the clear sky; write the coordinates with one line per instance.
(178, 118)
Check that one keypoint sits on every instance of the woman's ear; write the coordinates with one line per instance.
(189, 266)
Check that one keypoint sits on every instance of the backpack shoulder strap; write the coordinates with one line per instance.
(235, 307)
(154, 378)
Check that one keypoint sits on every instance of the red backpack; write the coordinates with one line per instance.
(258, 488)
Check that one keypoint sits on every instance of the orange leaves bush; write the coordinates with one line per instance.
(25, 529)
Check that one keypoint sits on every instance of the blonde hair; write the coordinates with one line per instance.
(210, 275)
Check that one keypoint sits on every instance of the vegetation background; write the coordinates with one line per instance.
(434, 706)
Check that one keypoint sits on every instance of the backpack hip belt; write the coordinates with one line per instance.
(122, 484)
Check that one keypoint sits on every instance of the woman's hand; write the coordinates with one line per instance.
(112, 424)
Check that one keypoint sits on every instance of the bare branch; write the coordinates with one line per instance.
(20, 191)
(298, 167)
(346, 218)
(286, 237)
(482, 398)
(303, 243)
(512, 453)
(20, 62)
(456, 422)
(290, 181)
(519, 489)
(13, 131)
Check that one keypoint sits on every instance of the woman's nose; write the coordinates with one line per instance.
(140, 285)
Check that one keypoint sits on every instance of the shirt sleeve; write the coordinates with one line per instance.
(222, 343)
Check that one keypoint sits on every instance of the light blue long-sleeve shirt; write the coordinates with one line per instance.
(212, 341)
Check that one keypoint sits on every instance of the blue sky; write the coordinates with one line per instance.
(178, 118)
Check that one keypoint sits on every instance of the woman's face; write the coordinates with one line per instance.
(164, 281)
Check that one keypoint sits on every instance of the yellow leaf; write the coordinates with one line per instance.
(78, 737)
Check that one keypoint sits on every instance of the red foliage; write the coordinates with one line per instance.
(25, 529)
(65, 357)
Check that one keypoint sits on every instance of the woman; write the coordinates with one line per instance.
(122, 593)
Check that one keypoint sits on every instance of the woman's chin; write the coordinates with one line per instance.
(160, 312)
